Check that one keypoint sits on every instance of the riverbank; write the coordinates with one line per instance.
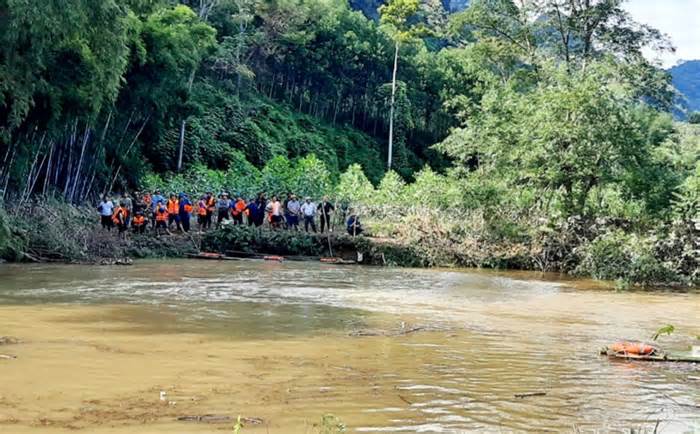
(69, 234)
(601, 249)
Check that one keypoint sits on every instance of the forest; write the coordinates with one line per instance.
(528, 134)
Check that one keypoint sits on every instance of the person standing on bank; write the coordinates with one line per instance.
(210, 202)
(106, 208)
(202, 213)
(308, 209)
(184, 211)
(292, 212)
(326, 208)
(222, 206)
(128, 204)
(173, 211)
(155, 200)
(275, 210)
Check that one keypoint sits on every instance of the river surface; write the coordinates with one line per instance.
(384, 350)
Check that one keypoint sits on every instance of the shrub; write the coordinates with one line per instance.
(624, 257)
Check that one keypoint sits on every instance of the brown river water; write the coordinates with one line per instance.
(382, 349)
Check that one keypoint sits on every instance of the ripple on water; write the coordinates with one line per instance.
(512, 336)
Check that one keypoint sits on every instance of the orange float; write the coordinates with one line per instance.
(633, 348)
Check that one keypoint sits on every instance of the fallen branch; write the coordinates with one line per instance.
(405, 400)
(219, 418)
(208, 418)
(529, 394)
(7, 356)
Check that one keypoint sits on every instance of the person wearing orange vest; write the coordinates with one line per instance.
(147, 200)
(185, 211)
(161, 218)
(238, 208)
(173, 207)
(202, 212)
(210, 201)
(139, 223)
(120, 218)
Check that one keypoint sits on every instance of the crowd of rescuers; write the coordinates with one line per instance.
(161, 215)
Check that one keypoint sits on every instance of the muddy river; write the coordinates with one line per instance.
(135, 349)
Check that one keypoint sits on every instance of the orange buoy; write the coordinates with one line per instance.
(633, 348)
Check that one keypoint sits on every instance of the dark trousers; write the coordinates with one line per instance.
(185, 222)
(207, 219)
(106, 222)
(223, 215)
(325, 222)
(174, 218)
(140, 229)
(238, 219)
(308, 220)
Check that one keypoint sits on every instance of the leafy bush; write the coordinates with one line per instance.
(354, 187)
(624, 257)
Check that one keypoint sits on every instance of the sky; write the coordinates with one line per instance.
(680, 19)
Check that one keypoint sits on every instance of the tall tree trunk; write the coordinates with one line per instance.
(183, 124)
(391, 107)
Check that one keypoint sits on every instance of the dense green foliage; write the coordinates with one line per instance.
(515, 126)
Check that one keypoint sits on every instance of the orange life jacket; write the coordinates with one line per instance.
(161, 215)
(119, 215)
(211, 204)
(139, 220)
(188, 208)
(202, 208)
(173, 206)
(238, 208)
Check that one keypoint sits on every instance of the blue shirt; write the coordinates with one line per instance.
(157, 198)
(254, 210)
(183, 202)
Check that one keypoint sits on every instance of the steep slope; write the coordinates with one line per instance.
(686, 78)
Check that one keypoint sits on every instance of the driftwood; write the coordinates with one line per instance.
(403, 331)
(218, 418)
(7, 356)
(405, 400)
(530, 394)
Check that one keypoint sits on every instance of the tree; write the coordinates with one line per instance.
(569, 134)
(576, 32)
(694, 118)
(354, 187)
(175, 41)
(395, 16)
(60, 59)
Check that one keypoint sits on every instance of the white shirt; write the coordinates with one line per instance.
(309, 209)
(106, 208)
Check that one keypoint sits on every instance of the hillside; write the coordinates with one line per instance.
(370, 7)
(686, 78)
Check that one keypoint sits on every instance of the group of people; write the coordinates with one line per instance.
(175, 212)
